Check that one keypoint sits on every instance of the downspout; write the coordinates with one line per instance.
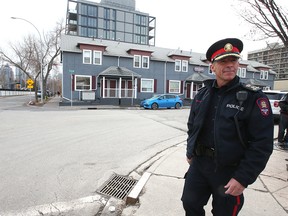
(120, 82)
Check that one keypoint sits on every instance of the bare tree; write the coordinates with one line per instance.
(268, 19)
(32, 53)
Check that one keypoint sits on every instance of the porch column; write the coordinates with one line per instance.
(191, 90)
(135, 88)
(103, 87)
(120, 87)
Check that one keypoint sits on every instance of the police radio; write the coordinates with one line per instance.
(241, 97)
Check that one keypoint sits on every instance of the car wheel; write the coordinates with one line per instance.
(154, 106)
(177, 106)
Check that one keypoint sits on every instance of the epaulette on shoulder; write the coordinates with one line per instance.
(250, 87)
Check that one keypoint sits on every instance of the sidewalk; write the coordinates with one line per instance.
(161, 195)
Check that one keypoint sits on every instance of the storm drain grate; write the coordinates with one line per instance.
(117, 186)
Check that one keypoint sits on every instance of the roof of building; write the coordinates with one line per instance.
(114, 48)
(69, 43)
(198, 77)
(119, 72)
(271, 46)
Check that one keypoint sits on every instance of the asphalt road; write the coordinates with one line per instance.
(57, 155)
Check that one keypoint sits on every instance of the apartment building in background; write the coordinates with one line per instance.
(274, 55)
(116, 20)
(6, 77)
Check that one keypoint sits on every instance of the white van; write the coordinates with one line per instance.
(274, 98)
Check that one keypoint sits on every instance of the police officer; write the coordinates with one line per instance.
(230, 136)
(283, 123)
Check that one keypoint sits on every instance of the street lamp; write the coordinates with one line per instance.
(41, 55)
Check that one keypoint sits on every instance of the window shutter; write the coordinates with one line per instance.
(167, 86)
(93, 82)
(139, 84)
(73, 82)
(181, 87)
(155, 85)
(102, 88)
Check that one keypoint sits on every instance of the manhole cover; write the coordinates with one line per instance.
(117, 186)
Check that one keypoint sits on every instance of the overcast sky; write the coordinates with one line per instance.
(185, 24)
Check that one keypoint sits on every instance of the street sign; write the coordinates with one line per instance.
(30, 82)
(29, 86)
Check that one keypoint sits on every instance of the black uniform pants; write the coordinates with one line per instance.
(283, 125)
(201, 181)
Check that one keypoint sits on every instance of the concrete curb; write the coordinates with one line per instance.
(83, 206)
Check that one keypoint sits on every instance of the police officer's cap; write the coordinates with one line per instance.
(224, 48)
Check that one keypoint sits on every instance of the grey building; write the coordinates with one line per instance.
(116, 20)
(6, 77)
(274, 55)
(101, 71)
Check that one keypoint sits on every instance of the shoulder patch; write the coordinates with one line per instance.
(263, 105)
(250, 87)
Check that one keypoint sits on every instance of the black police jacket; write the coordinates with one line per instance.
(255, 121)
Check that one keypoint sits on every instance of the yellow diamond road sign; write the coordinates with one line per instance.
(30, 82)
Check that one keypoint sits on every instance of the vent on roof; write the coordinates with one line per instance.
(117, 186)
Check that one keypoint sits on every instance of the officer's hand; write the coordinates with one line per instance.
(189, 160)
(234, 188)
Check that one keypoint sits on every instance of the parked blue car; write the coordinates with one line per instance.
(162, 101)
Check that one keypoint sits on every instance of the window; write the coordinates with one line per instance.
(145, 62)
(97, 57)
(83, 83)
(264, 75)
(241, 72)
(174, 86)
(87, 56)
(141, 61)
(92, 11)
(92, 22)
(181, 65)
(184, 65)
(137, 61)
(92, 32)
(177, 65)
(147, 85)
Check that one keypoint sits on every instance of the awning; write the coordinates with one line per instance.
(114, 71)
(256, 82)
(198, 77)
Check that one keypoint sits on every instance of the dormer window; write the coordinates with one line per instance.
(145, 62)
(177, 65)
(141, 61)
(137, 61)
(184, 65)
(97, 57)
(87, 56)
(181, 65)
(264, 75)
